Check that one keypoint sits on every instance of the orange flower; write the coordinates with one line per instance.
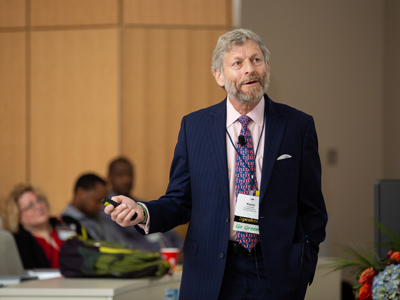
(394, 255)
(367, 276)
(365, 292)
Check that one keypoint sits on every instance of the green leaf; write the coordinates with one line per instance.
(394, 240)
(359, 259)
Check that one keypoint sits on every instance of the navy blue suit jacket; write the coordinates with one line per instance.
(292, 215)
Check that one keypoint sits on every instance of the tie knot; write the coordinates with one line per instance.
(245, 119)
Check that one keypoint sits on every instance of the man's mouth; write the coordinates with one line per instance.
(250, 82)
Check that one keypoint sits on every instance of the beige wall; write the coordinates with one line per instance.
(82, 81)
(73, 107)
(391, 85)
(338, 61)
(13, 121)
(162, 82)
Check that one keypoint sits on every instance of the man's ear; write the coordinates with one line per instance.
(219, 78)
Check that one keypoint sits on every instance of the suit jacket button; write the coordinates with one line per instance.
(227, 220)
(222, 255)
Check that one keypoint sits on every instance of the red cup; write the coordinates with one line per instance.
(170, 255)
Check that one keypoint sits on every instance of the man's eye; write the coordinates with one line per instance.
(236, 63)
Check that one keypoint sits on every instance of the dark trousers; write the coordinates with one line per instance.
(245, 279)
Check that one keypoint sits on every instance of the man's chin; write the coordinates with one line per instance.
(250, 97)
(124, 193)
(246, 100)
(245, 94)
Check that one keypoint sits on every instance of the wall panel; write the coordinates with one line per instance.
(177, 12)
(12, 13)
(73, 12)
(166, 75)
(74, 116)
(83, 78)
(12, 111)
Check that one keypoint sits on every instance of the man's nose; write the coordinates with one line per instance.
(248, 67)
(127, 179)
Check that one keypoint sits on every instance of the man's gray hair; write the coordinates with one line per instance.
(230, 39)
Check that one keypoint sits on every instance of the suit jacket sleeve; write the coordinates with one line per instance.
(311, 205)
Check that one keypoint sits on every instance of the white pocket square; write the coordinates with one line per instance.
(284, 156)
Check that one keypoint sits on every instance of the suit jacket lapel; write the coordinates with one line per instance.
(216, 126)
(274, 130)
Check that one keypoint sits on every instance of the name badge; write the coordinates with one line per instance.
(246, 214)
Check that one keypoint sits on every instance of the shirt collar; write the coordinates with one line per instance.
(74, 213)
(257, 114)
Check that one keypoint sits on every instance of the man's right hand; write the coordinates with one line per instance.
(123, 213)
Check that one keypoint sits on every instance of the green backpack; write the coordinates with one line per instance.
(90, 258)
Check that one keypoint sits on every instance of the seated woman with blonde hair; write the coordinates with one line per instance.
(39, 238)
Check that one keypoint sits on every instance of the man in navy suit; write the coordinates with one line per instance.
(291, 213)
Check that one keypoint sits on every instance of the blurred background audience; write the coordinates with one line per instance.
(121, 176)
(25, 213)
(86, 206)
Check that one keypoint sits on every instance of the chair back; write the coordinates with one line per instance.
(10, 261)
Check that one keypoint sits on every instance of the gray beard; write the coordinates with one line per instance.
(253, 95)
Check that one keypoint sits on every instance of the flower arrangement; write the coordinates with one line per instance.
(378, 278)
(386, 284)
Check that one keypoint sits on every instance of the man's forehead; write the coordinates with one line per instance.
(121, 165)
(249, 44)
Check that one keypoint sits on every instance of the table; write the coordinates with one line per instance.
(91, 289)
(325, 286)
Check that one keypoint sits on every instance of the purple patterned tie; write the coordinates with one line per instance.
(243, 178)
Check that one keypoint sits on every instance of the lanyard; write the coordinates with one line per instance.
(255, 155)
